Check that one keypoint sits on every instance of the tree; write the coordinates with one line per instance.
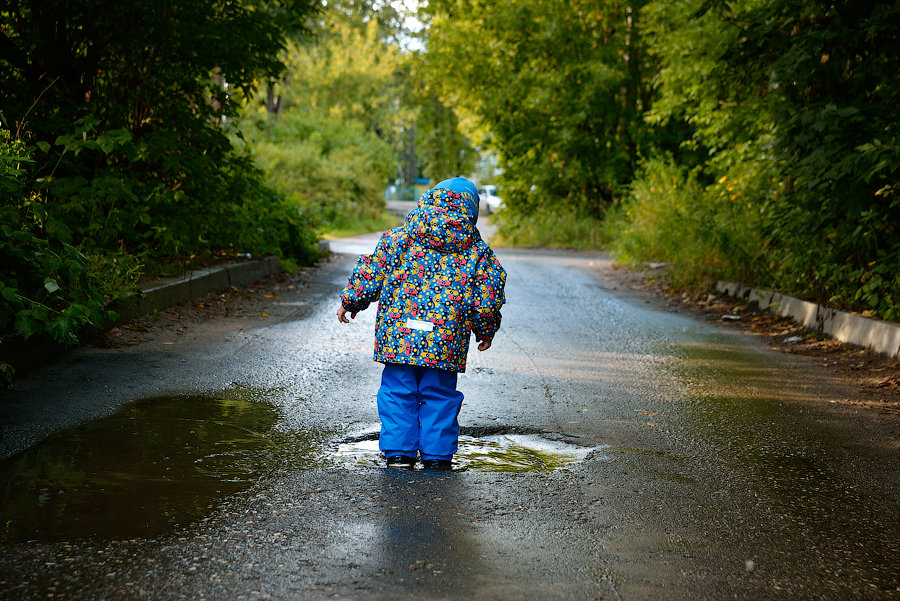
(790, 110)
(560, 87)
(802, 92)
(341, 122)
(124, 112)
(443, 150)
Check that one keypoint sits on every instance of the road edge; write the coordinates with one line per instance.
(155, 295)
(878, 336)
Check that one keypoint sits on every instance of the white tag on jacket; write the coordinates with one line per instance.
(417, 324)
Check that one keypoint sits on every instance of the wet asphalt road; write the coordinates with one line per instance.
(720, 471)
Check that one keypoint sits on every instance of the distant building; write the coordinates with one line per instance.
(397, 192)
(421, 185)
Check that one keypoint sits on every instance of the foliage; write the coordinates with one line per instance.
(835, 234)
(355, 73)
(352, 116)
(44, 285)
(750, 139)
(125, 111)
(550, 229)
(362, 69)
(670, 216)
(349, 74)
(351, 119)
(333, 168)
(791, 103)
(443, 150)
(559, 86)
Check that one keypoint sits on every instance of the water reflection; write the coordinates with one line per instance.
(158, 463)
(491, 453)
(791, 465)
(423, 544)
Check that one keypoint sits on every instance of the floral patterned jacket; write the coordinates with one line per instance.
(436, 281)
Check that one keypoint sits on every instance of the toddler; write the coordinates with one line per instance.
(435, 281)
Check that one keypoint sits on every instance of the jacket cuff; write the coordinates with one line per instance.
(485, 325)
(353, 307)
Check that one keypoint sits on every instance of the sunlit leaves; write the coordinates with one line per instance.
(552, 84)
(792, 107)
(113, 143)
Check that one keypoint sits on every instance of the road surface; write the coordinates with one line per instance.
(714, 469)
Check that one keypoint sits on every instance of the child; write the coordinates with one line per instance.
(435, 281)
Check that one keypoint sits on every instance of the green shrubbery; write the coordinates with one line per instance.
(552, 229)
(45, 285)
(69, 244)
(332, 168)
(115, 151)
(670, 216)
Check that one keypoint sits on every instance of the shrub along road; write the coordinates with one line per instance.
(719, 469)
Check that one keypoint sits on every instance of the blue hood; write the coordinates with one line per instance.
(469, 194)
(444, 219)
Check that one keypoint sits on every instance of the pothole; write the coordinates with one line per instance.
(488, 453)
(158, 463)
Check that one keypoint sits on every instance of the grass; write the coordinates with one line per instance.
(550, 230)
(384, 222)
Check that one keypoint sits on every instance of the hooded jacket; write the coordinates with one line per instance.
(435, 279)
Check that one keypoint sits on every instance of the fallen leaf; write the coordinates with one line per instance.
(888, 382)
(265, 315)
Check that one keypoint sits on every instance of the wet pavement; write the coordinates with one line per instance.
(610, 451)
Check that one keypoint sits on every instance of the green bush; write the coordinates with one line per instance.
(740, 227)
(670, 216)
(117, 213)
(332, 168)
(544, 228)
(45, 286)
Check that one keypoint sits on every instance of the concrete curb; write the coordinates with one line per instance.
(154, 296)
(167, 292)
(878, 336)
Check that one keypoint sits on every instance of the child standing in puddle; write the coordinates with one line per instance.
(436, 281)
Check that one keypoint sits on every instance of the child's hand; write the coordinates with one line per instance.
(483, 344)
(342, 315)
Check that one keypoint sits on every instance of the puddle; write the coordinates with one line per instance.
(157, 464)
(492, 453)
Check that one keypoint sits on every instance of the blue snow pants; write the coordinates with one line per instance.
(418, 407)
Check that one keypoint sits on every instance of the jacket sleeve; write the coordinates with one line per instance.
(364, 284)
(490, 281)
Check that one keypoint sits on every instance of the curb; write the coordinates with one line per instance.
(154, 296)
(167, 292)
(879, 336)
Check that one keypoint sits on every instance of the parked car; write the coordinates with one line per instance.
(488, 201)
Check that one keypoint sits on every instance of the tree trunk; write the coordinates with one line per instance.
(274, 103)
